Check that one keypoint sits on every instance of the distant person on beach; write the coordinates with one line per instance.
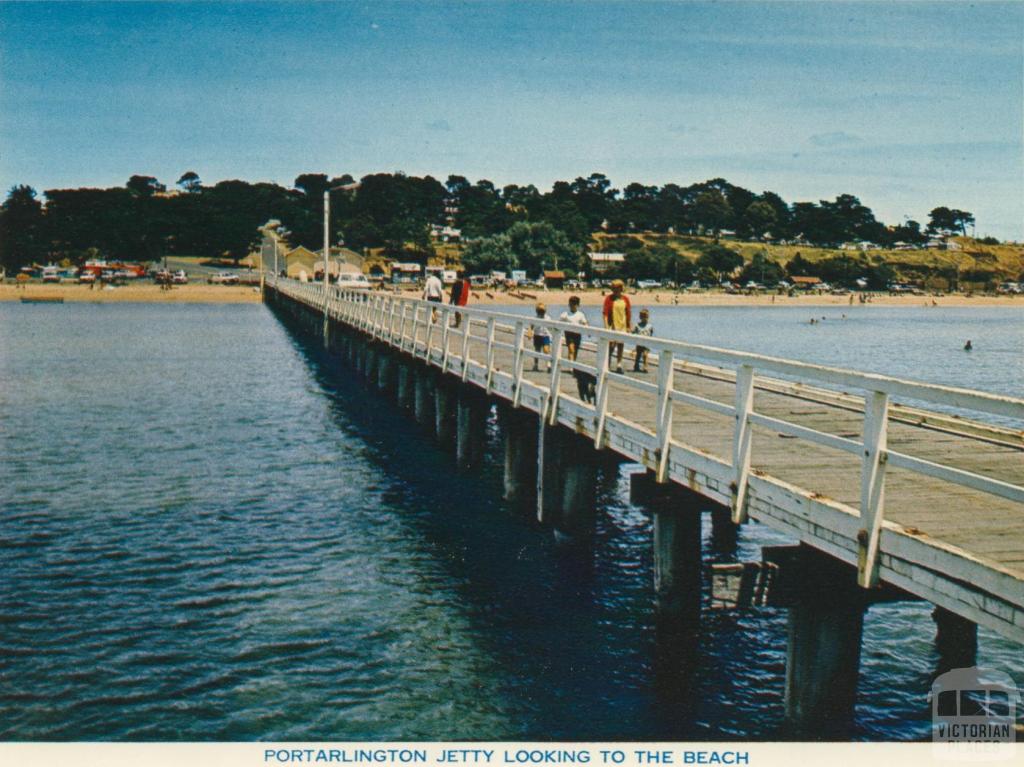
(541, 334)
(645, 329)
(617, 314)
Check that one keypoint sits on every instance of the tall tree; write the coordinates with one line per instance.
(943, 220)
(190, 182)
(720, 260)
(144, 186)
(759, 217)
(711, 211)
(22, 232)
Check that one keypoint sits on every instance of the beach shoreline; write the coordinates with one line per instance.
(554, 299)
(147, 293)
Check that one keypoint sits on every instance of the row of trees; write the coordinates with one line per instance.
(142, 220)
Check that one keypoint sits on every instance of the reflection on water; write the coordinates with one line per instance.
(211, 532)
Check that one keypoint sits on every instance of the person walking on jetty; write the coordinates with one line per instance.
(646, 329)
(459, 296)
(617, 316)
(541, 334)
(574, 317)
(585, 383)
(433, 291)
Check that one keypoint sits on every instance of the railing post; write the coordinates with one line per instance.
(872, 486)
(465, 346)
(601, 390)
(490, 354)
(430, 322)
(518, 360)
(445, 334)
(364, 320)
(663, 414)
(415, 328)
(741, 441)
(401, 329)
(556, 376)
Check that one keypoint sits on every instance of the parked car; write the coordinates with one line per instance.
(648, 284)
(353, 282)
(224, 278)
(86, 278)
(179, 278)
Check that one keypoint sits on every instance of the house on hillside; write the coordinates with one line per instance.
(405, 273)
(445, 233)
(805, 283)
(603, 262)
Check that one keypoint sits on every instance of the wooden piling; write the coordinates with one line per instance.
(823, 649)
(445, 416)
(519, 434)
(471, 429)
(956, 640)
(404, 388)
(577, 518)
(423, 405)
(676, 522)
(384, 372)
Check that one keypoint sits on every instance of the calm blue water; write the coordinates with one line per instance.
(916, 342)
(210, 532)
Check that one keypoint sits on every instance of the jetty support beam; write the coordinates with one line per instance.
(823, 650)
(520, 437)
(445, 416)
(423, 406)
(676, 519)
(956, 640)
(404, 387)
(470, 429)
(577, 520)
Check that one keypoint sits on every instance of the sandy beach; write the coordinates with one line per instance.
(144, 293)
(555, 299)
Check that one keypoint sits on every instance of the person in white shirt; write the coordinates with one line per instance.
(646, 329)
(574, 317)
(541, 334)
(433, 291)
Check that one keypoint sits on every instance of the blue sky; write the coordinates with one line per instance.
(906, 105)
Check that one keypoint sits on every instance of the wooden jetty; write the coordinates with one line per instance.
(894, 489)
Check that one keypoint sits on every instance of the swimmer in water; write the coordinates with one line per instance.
(968, 346)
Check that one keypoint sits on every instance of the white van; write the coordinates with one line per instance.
(353, 282)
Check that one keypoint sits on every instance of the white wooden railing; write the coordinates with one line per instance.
(411, 325)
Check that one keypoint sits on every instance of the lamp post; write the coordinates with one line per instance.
(327, 241)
